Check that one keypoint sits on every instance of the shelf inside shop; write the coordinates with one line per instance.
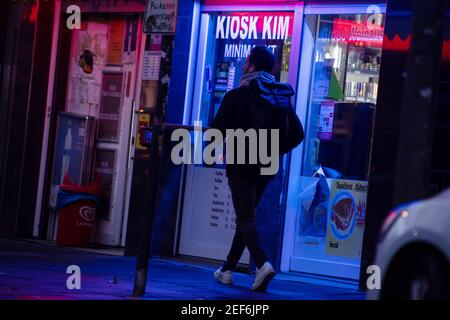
(360, 99)
(347, 99)
(371, 73)
(320, 100)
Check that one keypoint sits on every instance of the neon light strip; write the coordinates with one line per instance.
(342, 8)
(191, 72)
(237, 8)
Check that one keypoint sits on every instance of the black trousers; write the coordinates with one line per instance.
(246, 193)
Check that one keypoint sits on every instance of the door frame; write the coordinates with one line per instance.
(125, 127)
(121, 185)
(140, 48)
(199, 55)
(49, 110)
(306, 73)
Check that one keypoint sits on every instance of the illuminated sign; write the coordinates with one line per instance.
(243, 30)
(361, 33)
(253, 26)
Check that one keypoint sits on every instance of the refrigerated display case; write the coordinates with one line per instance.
(74, 149)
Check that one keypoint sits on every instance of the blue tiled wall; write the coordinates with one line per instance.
(180, 59)
(170, 175)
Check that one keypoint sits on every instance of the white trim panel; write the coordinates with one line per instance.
(48, 111)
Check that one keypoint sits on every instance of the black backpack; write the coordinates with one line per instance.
(271, 108)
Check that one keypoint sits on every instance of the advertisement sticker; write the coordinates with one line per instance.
(346, 218)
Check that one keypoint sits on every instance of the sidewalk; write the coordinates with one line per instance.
(35, 271)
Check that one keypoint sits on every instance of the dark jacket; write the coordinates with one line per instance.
(236, 112)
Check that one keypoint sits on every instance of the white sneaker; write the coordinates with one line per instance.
(263, 277)
(226, 277)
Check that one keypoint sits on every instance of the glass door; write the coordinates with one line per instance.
(226, 38)
(328, 191)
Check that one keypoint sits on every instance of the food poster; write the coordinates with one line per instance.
(84, 83)
(346, 218)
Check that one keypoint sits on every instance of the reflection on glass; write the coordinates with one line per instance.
(230, 38)
(332, 189)
(346, 68)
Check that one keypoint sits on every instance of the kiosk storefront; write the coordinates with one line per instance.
(331, 55)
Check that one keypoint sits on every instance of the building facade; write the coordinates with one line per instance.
(319, 217)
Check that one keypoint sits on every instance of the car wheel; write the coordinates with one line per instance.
(424, 277)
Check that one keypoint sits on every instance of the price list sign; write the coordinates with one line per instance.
(209, 220)
(222, 212)
(152, 65)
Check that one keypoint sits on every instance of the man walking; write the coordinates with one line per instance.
(240, 109)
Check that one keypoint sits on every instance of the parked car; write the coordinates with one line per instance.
(413, 251)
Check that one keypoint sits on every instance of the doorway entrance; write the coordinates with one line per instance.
(101, 85)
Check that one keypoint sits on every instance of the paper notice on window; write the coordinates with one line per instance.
(152, 65)
(325, 131)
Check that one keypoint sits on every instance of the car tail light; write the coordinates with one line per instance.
(388, 223)
(399, 211)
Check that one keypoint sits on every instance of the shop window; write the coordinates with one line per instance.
(332, 188)
(346, 67)
(230, 38)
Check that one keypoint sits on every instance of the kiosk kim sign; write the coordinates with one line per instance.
(161, 16)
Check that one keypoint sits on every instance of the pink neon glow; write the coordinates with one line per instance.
(261, 15)
(359, 33)
(32, 18)
(397, 43)
(243, 2)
